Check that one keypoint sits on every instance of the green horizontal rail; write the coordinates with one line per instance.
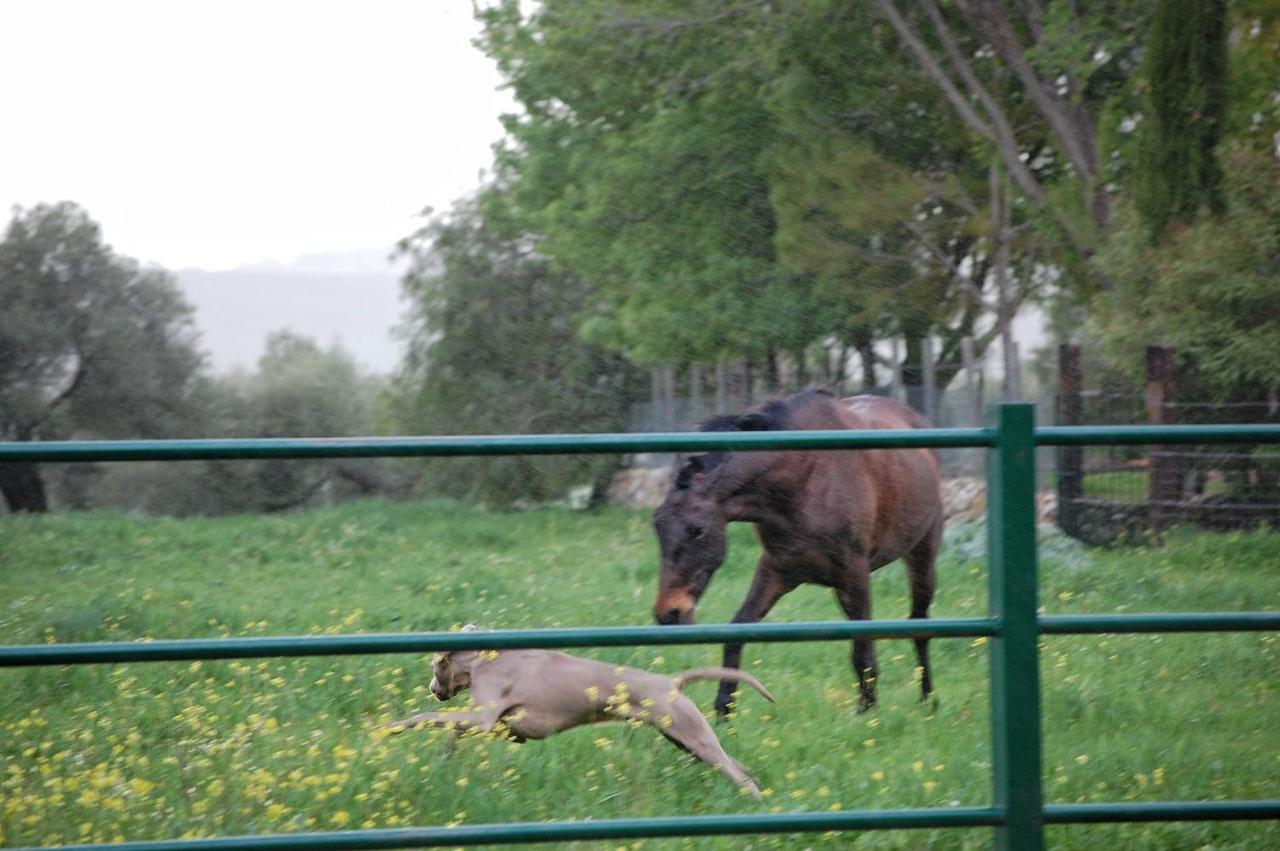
(573, 831)
(23, 655)
(720, 825)
(452, 445)
(419, 642)
(1128, 435)
(561, 444)
(1162, 811)
(1160, 622)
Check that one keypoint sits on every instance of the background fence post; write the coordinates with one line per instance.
(1070, 458)
(1164, 488)
(1015, 651)
(929, 368)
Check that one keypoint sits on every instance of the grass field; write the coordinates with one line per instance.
(157, 750)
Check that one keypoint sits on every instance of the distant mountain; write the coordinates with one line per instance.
(352, 297)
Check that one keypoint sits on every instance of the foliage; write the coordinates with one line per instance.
(639, 158)
(493, 347)
(1035, 82)
(158, 750)
(1186, 85)
(739, 180)
(1210, 289)
(91, 343)
(299, 389)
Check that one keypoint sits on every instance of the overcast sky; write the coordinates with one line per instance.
(214, 134)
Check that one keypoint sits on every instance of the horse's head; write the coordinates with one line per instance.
(691, 521)
(691, 538)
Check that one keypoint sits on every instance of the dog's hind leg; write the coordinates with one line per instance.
(690, 732)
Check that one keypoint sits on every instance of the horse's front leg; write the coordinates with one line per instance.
(855, 599)
(766, 587)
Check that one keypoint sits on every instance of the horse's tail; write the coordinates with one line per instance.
(721, 674)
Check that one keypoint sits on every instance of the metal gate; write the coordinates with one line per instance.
(1018, 813)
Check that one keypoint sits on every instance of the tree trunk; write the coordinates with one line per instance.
(23, 488)
(867, 360)
(772, 378)
(913, 372)
(1000, 226)
(722, 386)
(802, 370)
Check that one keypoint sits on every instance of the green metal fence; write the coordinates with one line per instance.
(1017, 813)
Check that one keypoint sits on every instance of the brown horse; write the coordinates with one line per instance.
(829, 517)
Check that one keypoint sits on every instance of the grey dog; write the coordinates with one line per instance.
(535, 693)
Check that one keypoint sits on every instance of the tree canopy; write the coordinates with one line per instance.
(494, 348)
(91, 343)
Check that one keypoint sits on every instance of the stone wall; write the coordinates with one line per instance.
(963, 499)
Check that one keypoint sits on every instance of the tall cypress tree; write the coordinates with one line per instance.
(1186, 73)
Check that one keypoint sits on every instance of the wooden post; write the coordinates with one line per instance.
(1004, 313)
(1015, 371)
(896, 390)
(930, 380)
(1164, 487)
(972, 382)
(1070, 458)
(722, 386)
(695, 393)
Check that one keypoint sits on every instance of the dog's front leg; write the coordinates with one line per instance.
(459, 722)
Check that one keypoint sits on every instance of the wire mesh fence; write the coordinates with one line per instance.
(1108, 493)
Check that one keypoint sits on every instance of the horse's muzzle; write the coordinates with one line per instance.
(670, 617)
(675, 608)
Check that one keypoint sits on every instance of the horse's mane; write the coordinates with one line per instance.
(773, 415)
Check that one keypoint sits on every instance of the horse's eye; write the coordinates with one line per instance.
(696, 533)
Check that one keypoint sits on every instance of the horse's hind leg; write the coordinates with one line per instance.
(923, 576)
(855, 599)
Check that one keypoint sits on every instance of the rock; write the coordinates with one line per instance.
(639, 487)
(964, 499)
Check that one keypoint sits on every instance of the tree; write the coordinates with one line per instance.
(778, 181)
(494, 347)
(91, 343)
(1186, 85)
(640, 162)
(1207, 284)
(881, 192)
(300, 389)
(1035, 85)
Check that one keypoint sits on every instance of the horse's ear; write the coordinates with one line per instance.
(753, 421)
(692, 467)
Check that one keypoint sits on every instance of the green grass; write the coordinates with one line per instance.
(1125, 486)
(101, 753)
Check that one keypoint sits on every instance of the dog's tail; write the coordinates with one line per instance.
(721, 674)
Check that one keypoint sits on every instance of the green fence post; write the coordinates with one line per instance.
(1015, 652)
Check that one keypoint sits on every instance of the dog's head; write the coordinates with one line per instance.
(451, 672)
